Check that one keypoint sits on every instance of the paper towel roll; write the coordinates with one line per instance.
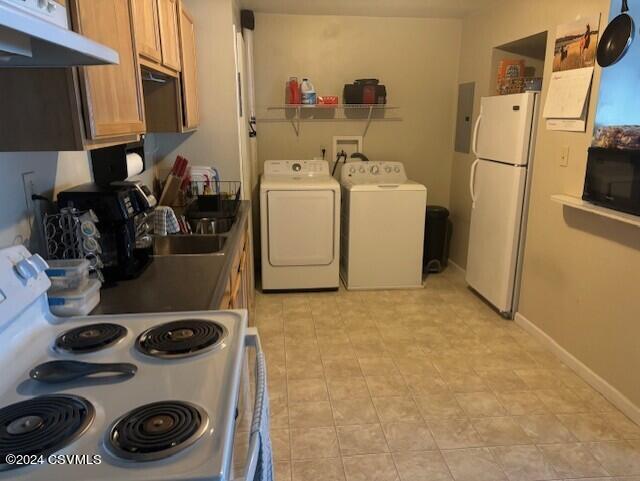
(135, 165)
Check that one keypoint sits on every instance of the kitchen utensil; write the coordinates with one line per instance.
(617, 38)
(54, 372)
(174, 181)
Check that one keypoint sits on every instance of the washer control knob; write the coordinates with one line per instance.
(387, 169)
(362, 170)
(352, 170)
(375, 170)
(396, 169)
(296, 167)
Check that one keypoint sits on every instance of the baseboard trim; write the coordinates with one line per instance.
(598, 383)
(456, 266)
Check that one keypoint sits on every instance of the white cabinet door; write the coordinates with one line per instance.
(504, 127)
(301, 227)
(495, 231)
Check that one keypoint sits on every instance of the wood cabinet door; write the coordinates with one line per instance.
(112, 94)
(168, 13)
(190, 108)
(147, 29)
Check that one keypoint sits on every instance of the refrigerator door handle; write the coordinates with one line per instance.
(472, 181)
(476, 129)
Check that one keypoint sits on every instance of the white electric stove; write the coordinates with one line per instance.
(173, 419)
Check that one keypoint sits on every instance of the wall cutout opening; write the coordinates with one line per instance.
(518, 66)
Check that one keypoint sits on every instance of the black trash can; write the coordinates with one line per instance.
(437, 237)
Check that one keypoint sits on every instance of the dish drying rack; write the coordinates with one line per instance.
(210, 193)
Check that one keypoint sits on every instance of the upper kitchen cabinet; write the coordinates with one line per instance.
(147, 28)
(156, 27)
(171, 103)
(112, 94)
(191, 113)
(77, 108)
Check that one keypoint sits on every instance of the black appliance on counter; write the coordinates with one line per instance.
(365, 91)
(123, 210)
(613, 179)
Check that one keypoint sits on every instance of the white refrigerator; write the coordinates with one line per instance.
(503, 142)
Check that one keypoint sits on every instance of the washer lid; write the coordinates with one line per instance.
(382, 187)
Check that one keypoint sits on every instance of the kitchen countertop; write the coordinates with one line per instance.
(177, 283)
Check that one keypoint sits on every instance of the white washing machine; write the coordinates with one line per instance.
(300, 226)
(383, 216)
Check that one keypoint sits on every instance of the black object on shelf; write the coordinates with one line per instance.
(437, 239)
(365, 91)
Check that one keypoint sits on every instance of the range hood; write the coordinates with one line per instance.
(35, 33)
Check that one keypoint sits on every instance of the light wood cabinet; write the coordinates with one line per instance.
(237, 293)
(112, 93)
(60, 109)
(189, 77)
(168, 17)
(156, 27)
(147, 28)
(172, 104)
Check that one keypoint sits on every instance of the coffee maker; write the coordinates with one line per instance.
(123, 210)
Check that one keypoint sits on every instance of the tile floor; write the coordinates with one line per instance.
(428, 385)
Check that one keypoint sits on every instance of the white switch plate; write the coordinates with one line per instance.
(564, 156)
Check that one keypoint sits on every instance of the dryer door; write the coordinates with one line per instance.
(301, 226)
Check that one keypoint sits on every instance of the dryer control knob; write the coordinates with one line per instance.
(375, 170)
(396, 170)
(352, 170)
(387, 169)
(296, 167)
(362, 170)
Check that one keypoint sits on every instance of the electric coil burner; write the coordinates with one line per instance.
(42, 425)
(181, 338)
(157, 430)
(89, 338)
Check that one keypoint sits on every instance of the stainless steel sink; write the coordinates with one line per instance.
(183, 245)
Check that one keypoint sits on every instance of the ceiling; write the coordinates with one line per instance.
(372, 8)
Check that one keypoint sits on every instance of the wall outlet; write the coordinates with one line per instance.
(564, 156)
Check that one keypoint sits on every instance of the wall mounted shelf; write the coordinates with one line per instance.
(578, 203)
(298, 113)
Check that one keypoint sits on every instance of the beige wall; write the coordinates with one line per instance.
(581, 272)
(415, 58)
(216, 140)
(52, 172)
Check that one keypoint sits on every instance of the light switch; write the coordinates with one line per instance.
(564, 156)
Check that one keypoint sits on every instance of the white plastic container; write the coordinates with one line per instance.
(68, 274)
(75, 302)
(308, 92)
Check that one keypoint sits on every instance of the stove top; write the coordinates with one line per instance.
(42, 425)
(157, 430)
(173, 420)
(184, 338)
(91, 337)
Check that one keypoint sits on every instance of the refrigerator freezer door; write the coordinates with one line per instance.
(504, 128)
(495, 231)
